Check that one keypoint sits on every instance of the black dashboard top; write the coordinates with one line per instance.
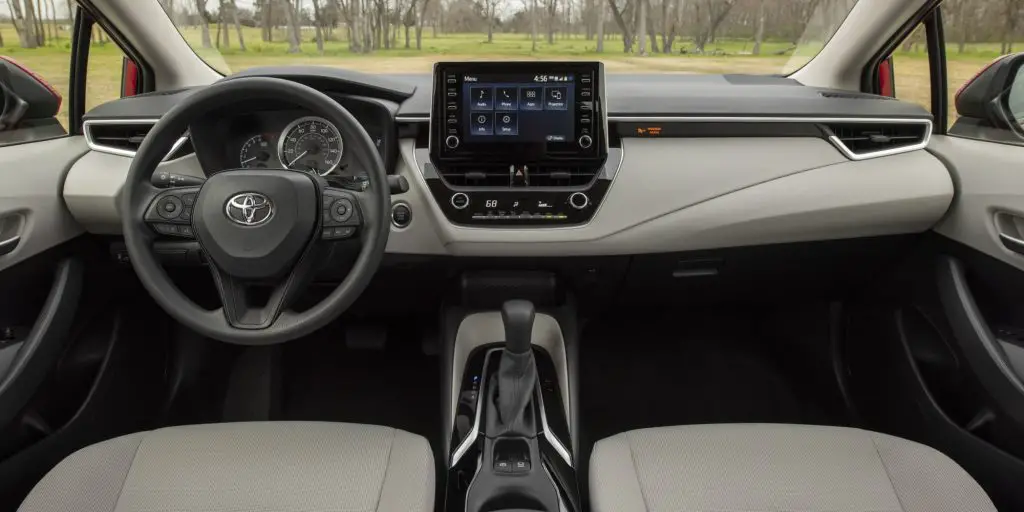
(635, 95)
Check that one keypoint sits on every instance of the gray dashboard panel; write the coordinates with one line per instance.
(94, 183)
(32, 175)
(686, 194)
(668, 195)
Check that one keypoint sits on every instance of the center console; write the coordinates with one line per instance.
(518, 143)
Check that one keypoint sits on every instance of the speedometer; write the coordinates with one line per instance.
(311, 144)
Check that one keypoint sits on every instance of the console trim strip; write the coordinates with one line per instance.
(556, 443)
(473, 434)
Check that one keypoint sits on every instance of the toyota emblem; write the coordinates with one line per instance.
(249, 209)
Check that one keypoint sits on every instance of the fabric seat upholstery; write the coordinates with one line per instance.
(760, 468)
(264, 466)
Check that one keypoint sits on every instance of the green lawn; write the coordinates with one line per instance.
(730, 56)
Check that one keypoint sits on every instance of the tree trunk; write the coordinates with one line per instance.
(268, 20)
(641, 29)
(420, 18)
(601, 10)
(552, 16)
(204, 23)
(56, 27)
(40, 24)
(318, 21)
(238, 24)
(962, 43)
(759, 34)
(533, 26)
(28, 25)
(294, 45)
(224, 22)
(216, 37)
(490, 21)
(627, 36)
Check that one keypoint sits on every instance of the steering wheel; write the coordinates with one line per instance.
(263, 232)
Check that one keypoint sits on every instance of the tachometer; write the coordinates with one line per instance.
(255, 153)
(311, 144)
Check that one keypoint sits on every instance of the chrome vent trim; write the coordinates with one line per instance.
(113, 150)
(914, 142)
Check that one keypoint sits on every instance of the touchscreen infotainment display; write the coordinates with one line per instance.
(517, 112)
(530, 107)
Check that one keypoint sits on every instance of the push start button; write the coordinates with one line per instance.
(401, 215)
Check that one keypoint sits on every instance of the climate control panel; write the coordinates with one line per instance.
(518, 206)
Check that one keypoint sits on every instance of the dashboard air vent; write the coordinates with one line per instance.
(503, 176)
(860, 141)
(124, 138)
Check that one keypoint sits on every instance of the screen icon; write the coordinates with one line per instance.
(481, 98)
(531, 98)
(481, 123)
(556, 98)
(506, 98)
(506, 123)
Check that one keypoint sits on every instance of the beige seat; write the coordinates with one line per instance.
(760, 468)
(255, 467)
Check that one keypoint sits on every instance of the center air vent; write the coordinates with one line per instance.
(860, 141)
(505, 176)
(124, 138)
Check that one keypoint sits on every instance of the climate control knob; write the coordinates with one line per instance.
(585, 141)
(579, 200)
(452, 142)
(459, 201)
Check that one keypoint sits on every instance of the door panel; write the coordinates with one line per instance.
(33, 216)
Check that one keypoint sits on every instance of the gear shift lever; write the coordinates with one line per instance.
(517, 372)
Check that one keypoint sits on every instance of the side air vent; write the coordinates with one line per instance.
(535, 177)
(124, 138)
(860, 141)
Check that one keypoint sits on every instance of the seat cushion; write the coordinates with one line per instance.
(255, 467)
(761, 468)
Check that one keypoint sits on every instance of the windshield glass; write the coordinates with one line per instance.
(409, 36)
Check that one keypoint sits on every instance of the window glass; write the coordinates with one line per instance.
(103, 77)
(37, 34)
(911, 69)
(409, 36)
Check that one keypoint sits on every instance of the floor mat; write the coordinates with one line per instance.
(695, 368)
(396, 387)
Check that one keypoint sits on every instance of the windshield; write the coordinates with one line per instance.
(409, 36)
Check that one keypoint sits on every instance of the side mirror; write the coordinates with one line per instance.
(991, 105)
(26, 98)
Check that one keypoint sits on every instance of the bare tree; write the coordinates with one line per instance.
(759, 33)
(627, 34)
(1010, 26)
(492, 15)
(238, 24)
(419, 23)
(29, 39)
(552, 8)
(641, 29)
(204, 23)
(56, 27)
(601, 10)
(294, 44)
(318, 22)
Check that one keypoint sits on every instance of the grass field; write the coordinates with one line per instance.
(104, 75)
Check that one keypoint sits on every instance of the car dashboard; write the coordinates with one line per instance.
(671, 163)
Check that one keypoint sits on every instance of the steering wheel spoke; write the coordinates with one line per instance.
(342, 214)
(248, 304)
(170, 212)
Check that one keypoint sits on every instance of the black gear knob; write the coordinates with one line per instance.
(517, 315)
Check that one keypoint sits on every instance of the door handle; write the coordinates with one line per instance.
(8, 246)
(1012, 243)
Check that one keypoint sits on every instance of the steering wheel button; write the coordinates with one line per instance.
(344, 232)
(341, 210)
(186, 214)
(189, 199)
(328, 233)
(185, 231)
(169, 207)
